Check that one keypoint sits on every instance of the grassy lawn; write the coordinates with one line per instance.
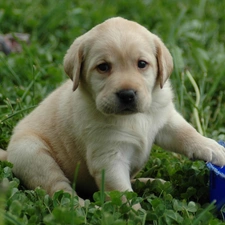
(193, 30)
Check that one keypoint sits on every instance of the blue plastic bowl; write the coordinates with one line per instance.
(217, 183)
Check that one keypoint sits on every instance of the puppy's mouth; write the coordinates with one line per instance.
(126, 110)
(119, 109)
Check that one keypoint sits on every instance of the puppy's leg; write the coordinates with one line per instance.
(117, 175)
(179, 136)
(33, 164)
(117, 178)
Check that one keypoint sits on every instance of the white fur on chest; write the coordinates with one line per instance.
(127, 139)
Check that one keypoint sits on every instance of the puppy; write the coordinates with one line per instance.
(117, 105)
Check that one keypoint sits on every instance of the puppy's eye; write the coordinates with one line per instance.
(142, 64)
(104, 67)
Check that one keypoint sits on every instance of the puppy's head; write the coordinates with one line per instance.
(119, 63)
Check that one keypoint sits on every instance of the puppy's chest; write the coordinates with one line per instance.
(138, 147)
(134, 144)
(128, 141)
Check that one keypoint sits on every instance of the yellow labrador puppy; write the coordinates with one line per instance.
(117, 105)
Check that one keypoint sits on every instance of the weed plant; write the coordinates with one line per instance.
(193, 30)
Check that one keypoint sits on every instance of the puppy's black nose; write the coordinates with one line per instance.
(126, 96)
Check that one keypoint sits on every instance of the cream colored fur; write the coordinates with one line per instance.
(90, 127)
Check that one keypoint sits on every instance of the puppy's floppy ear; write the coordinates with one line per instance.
(73, 61)
(164, 61)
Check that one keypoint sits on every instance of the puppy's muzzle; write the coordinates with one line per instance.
(127, 101)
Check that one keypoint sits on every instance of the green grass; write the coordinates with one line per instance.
(194, 32)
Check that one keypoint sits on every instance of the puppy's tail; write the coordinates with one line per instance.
(3, 155)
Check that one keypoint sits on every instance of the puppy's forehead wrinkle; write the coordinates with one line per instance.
(121, 34)
(120, 25)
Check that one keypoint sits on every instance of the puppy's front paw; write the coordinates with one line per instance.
(218, 155)
(210, 151)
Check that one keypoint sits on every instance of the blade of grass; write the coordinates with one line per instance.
(216, 83)
(16, 113)
(12, 220)
(103, 188)
(202, 214)
(197, 101)
(29, 87)
(13, 73)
